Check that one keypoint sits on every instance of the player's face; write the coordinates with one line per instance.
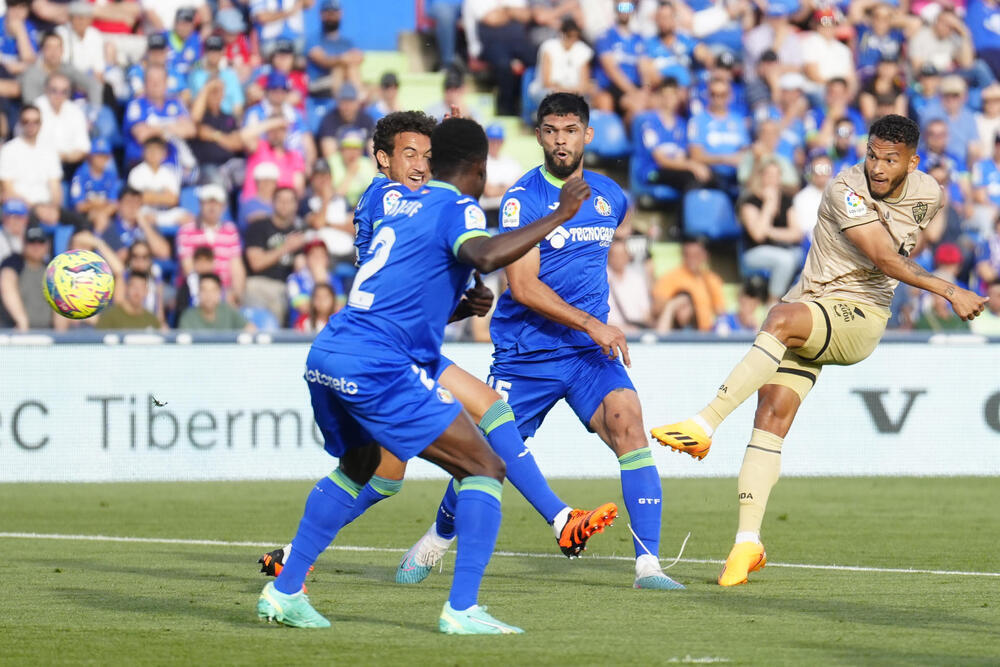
(409, 163)
(886, 166)
(562, 139)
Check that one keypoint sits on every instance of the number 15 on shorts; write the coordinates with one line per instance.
(501, 387)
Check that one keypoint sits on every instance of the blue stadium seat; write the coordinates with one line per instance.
(262, 318)
(710, 213)
(61, 235)
(610, 139)
(189, 200)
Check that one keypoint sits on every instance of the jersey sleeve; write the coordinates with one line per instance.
(849, 208)
(459, 222)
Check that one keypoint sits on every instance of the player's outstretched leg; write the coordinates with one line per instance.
(787, 325)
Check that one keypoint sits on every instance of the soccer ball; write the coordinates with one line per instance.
(78, 284)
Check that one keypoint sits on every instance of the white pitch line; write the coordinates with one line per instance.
(506, 554)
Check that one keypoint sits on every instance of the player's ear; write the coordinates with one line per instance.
(913, 163)
(588, 135)
(538, 135)
(383, 159)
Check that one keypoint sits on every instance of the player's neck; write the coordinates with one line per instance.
(559, 182)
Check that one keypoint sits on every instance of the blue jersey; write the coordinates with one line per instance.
(816, 116)
(409, 285)
(141, 110)
(626, 49)
(8, 44)
(379, 198)
(136, 79)
(87, 186)
(984, 23)
(986, 174)
(719, 136)
(673, 60)
(651, 135)
(573, 260)
(183, 54)
(871, 47)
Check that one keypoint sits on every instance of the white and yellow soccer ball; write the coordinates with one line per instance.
(78, 284)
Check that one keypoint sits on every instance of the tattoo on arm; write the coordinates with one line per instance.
(950, 292)
(915, 269)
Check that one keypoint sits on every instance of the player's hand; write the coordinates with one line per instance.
(967, 305)
(611, 339)
(479, 298)
(574, 192)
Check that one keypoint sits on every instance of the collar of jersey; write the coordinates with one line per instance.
(550, 178)
(441, 184)
(906, 186)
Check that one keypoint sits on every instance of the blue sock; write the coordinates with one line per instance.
(477, 524)
(643, 497)
(327, 508)
(446, 511)
(499, 428)
(377, 488)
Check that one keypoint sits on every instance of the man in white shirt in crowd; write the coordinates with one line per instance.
(805, 203)
(64, 124)
(30, 170)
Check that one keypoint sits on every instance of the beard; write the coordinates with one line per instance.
(562, 171)
(892, 185)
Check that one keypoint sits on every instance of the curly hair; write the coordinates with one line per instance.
(457, 143)
(398, 122)
(896, 129)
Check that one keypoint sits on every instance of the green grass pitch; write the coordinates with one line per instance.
(103, 602)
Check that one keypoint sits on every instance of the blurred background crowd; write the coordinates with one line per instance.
(213, 151)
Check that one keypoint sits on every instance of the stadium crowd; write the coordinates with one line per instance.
(212, 151)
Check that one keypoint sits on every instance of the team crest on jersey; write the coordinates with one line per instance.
(511, 213)
(389, 200)
(854, 204)
(919, 211)
(444, 395)
(474, 217)
(602, 206)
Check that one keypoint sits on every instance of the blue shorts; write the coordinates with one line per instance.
(386, 398)
(531, 386)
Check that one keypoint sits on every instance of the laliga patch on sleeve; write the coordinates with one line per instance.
(511, 213)
(474, 217)
(854, 205)
(389, 200)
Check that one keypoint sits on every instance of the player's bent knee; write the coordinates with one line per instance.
(360, 463)
(489, 465)
(784, 322)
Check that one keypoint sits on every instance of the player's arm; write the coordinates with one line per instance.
(874, 241)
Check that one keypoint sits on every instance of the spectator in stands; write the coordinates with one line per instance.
(454, 97)
(748, 306)
(96, 184)
(239, 52)
(988, 120)
(790, 113)
(944, 41)
(30, 171)
(326, 212)
(940, 318)
(218, 142)
(986, 180)
(282, 59)
(332, 59)
(987, 268)
(963, 137)
(213, 231)
(17, 53)
(157, 56)
(139, 259)
(84, 239)
(776, 35)
(159, 183)
(548, 16)
(628, 292)
(617, 75)
(297, 138)
(825, 56)
(15, 222)
(805, 203)
(22, 303)
(352, 170)
(323, 303)
(678, 314)
(388, 97)
(203, 262)
(264, 176)
(660, 139)
(717, 137)
(155, 114)
(273, 149)
(271, 247)
(64, 125)
(821, 122)
(937, 150)
(128, 311)
(886, 82)
(882, 31)
(82, 42)
(346, 117)
(767, 147)
(277, 19)
(501, 29)
(502, 172)
(762, 90)
(988, 323)
(925, 94)
(445, 14)
(183, 42)
(843, 150)
(51, 61)
(669, 53)
(133, 223)
(212, 312)
(214, 68)
(563, 64)
(771, 232)
(302, 283)
(694, 278)
(982, 17)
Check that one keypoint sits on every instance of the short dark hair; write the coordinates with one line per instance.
(398, 122)
(563, 104)
(49, 34)
(457, 143)
(29, 107)
(284, 188)
(204, 252)
(128, 191)
(138, 274)
(155, 141)
(214, 277)
(896, 129)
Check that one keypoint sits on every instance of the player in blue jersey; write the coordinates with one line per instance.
(549, 329)
(402, 148)
(370, 374)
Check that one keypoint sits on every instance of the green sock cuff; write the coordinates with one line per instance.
(640, 458)
(455, 484)
(498, 414)
(485, 484)
(341, 479)
(385, 487)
